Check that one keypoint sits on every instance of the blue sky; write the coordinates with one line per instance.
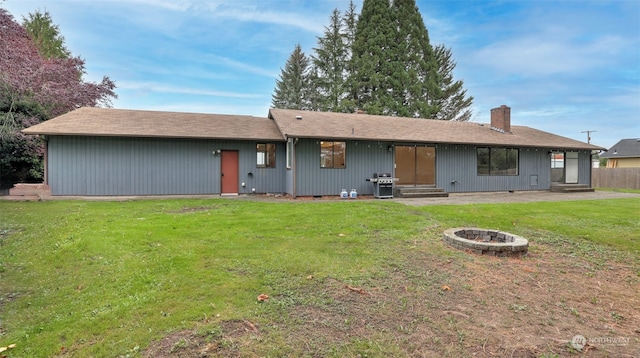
(562, 66)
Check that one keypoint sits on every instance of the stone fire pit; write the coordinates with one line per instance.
(486, 242)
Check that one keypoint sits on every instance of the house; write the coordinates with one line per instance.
(97, 151)
(624, 154)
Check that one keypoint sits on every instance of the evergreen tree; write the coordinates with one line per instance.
(395, 69)
(292, 89)
(315, 96)
(45, 35)
(329, 64)
(454, 103)
(350, 23)
(381, 62)
(374, 49)
(417, 74)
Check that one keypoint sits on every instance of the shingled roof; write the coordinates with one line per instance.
(341, 126)
(625, 148)
(91, 121)
(285, 123)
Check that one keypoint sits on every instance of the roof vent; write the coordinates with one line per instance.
(299, 118)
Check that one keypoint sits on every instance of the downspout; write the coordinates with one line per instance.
(45, 162)
(293, 168)
(591, 154)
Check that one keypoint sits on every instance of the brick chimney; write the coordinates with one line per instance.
(501, 118)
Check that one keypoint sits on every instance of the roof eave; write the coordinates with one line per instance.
(136, 135)
(431, 141)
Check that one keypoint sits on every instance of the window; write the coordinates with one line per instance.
(557, 160)
(497, 161)
(333, 154)
(266, 153)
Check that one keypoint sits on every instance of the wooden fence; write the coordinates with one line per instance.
(616, 178)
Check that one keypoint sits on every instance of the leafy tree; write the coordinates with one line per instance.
(454, 103)
(45, 35)
(292, 89)
(34, 89)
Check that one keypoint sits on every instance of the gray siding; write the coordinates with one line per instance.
(363, 158)
(456, 169)
(458, 163)
(584, 167)
(149, 166)
(161, 166)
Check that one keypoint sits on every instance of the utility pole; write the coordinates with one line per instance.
(588, 135)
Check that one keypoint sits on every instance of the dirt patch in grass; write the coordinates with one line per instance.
(439, 302)
(225, 340)
(5, 232)
(188, 209)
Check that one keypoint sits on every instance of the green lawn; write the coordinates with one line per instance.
(89, 278)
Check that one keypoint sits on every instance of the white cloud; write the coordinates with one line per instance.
(292, 19)
(164, 88)
(198, 107)
(239, 11)
(174, 5)
(244, 67)
(547, 55)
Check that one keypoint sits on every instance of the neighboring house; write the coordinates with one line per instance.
(624, 154)
(94, 151)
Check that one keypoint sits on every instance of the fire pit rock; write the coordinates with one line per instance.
(486, 242)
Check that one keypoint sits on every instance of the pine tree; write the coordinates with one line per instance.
(45, 35)
(395, 69)
(329, 62)
(374, 45)
(381, 62)
(454, 103)
(292, 89)
(417, 76)
(350, 23)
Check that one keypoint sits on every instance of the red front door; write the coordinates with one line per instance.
(229, 171)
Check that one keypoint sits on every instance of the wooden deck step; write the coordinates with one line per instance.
(571, 188)
(21, 197)
(419, 192)
(29, 191)
(424, 195)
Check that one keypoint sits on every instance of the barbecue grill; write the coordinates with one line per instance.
(382, 185)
